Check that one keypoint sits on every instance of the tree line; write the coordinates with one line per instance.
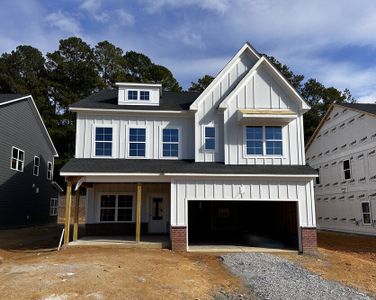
(76, 70)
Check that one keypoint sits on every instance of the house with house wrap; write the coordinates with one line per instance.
(343, 151)
(226, 166)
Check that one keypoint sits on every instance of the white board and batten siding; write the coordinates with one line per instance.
(121, 123)
(261, 91)
(238, 189)
(346, 135)
(207, 112)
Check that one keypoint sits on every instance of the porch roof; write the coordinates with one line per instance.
(88, 166)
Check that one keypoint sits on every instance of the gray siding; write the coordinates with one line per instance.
(20, 204)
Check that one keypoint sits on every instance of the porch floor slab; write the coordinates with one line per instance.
(149, 241)
(234, 248)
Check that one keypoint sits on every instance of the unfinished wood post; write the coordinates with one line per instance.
(76, 215)
(68, 202)
(138, 212)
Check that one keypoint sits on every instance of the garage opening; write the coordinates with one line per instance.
(266, 224)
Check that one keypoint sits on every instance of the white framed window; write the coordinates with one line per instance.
(366, 213)
(103, 139)
(346, 169)
(36, 166)
(132, 95)
(17, 160)
(170, 142)
(145, 95)
(49, 170)
(137, 142)
(264, 140)
(209, 138)
(116, 208)
(54, 203)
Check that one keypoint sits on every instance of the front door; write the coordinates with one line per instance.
(157, 222)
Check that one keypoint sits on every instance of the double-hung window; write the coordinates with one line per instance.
(137, 142)
(209, 138)
(170, 142)
(116, 208)
(49, 170)
(103, 141)
(366, 213)
(144, 95)
(346, 169)
(263, 140)
(53, 206)
(36, 166)
(273, 138)
(18, 159)
(132, 95)
(254, 140)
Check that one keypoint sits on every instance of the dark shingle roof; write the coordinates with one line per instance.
(98, 165)
(107, 99)
(366, 107)
(9, 97)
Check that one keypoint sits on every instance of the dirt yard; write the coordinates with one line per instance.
(104, 273)
(31, 268)
(350, 259)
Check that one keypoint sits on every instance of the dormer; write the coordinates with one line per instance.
(131, 93)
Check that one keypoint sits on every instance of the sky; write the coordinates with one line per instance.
(333, 41)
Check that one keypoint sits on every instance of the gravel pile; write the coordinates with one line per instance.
(272, 277)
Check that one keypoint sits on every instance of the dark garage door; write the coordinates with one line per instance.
(247, 223)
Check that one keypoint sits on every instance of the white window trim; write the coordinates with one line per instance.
(54, 208)
(138, 94)
(264, 155)
(210, 125)
(147, 141)
(50, 173)
(18, 160)
(179, 128)
(116, 206)
(37, 174)
(370, 212)
(93, 141)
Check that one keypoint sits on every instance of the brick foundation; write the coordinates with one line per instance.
(309, 240)
(179, 238)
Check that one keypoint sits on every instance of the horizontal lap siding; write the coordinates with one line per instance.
(20, 204)
(183, 190)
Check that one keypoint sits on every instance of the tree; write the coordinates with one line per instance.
(201, 84)
(110, 63)
(160, 74)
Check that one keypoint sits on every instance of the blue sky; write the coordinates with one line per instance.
(333, 41)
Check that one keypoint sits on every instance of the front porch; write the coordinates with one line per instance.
(126, 214)
(128, 241)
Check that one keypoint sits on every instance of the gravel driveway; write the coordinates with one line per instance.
(272, 277)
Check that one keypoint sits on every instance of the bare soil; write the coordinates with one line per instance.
(350, 259)
(31, 272)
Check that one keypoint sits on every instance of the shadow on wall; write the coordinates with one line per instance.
(25, 198)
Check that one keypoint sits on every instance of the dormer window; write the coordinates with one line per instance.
(132, 95)
(145, 95)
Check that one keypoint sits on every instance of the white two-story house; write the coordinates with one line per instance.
(226, 166)
(343, 151)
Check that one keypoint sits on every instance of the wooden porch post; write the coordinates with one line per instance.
(76, 215)
(68, 202)
(138, 212)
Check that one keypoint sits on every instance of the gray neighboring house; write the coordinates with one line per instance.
(28, 194)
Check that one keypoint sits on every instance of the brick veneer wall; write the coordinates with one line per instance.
(309, 240)
(179, 238)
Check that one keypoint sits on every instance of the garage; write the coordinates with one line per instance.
(266, 224)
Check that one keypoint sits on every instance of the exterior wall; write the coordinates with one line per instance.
(207, 110)
(148, 189)
(338, 201)
(24, 198)
(309, 240)
(237, 189)
(121, 124)
(179, 238)
(261, 91)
